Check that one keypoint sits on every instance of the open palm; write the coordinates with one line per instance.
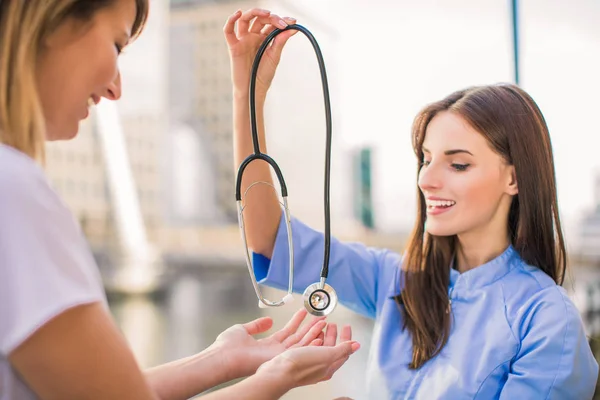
(247, 353)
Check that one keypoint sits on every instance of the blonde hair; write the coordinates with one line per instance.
(23, 27)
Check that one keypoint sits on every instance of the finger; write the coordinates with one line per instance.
(281, 39)
(339, 355)
(289, 20)
(259, 325)
(312, 334)
(248, 16)
(257, 25)
(345, 349)
(322, 336)
(273, 20)
(316, 342)
(229, 28)
(330, 335)
(335, 366)
(295, 338)
(271, 27)
(346, 334)
(306, 330)
(291, 326)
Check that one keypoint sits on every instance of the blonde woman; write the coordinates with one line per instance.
(57, 338)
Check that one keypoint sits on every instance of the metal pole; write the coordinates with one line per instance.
(515, 26)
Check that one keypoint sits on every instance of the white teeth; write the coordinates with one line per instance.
(440, 203)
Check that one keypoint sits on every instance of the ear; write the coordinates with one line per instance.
(512, 188)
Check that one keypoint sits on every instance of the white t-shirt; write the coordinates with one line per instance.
(46, 266)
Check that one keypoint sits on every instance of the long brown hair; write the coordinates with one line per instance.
(515, 128)
(24, 25)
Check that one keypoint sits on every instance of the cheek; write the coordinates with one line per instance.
(53, 81)
(96, 64)
(479, 193)
(108, 68)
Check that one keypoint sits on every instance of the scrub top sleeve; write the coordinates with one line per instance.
(360, 275)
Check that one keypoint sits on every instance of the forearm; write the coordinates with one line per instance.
(256, 387)
(189, 376)
(263, 211)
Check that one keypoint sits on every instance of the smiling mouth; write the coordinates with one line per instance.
(439, 205)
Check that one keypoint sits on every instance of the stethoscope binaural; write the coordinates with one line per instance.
(319, 298)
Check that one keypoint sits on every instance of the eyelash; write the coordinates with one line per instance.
(456, 167)
(119, 49)
(460, 167)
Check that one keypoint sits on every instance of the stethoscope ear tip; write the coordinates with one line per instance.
(288, 298)
(262, 305)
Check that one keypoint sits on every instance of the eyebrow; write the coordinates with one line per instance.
(450, 152)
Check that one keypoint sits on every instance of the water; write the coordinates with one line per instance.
(200, 304)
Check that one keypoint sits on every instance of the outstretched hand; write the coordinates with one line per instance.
(244, 354)
(312, 364)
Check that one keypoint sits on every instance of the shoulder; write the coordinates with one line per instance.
(531, 296)
(23, 184)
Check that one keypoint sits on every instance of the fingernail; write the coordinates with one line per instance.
(355, 346)
(282, 23)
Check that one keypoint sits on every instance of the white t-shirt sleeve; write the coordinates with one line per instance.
(46, 266)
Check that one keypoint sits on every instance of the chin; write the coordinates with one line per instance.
(66, 133)
(435, 228)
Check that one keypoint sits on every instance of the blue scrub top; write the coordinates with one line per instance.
(515, 333)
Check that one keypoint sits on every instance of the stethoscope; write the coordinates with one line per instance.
(319, 298)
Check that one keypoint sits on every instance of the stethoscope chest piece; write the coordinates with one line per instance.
(320, 300)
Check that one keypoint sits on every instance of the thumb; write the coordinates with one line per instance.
(259, 325)
(345, 349)
(283, 37)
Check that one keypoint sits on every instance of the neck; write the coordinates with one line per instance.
(475, 249)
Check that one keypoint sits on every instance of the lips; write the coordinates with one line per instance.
(438, 205)
(90, 103)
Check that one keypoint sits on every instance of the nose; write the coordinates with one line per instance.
(430, 178)
(113, 90)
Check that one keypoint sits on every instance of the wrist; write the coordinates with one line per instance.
(232, 362)
(279, 378)
(188, 376)
(244, 94)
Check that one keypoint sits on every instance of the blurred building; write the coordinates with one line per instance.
(201, 116)
(200, 101)
(588, 242)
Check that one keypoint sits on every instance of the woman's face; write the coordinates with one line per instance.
(78, 66)
(467, 186)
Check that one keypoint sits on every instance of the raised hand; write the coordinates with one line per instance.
(244, 40)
